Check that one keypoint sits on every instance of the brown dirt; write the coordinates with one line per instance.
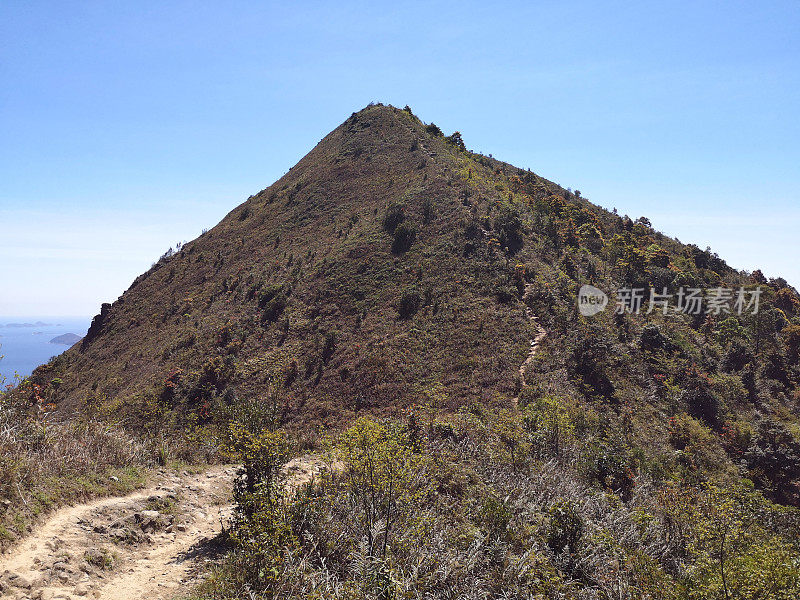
(115, 549)
(537, 339)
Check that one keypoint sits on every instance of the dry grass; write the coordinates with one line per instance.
(482, 523)
(45, 463)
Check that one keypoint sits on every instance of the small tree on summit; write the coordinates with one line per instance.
(457, 141)
(434, 130)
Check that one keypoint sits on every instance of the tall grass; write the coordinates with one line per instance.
(45, 463)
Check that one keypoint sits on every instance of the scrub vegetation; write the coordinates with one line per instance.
(371, 306)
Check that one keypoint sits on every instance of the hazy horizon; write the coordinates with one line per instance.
(22, 349)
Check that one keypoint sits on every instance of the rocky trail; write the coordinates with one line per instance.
(534, 347)
(152, 544)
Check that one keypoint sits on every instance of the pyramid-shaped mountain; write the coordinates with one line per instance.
(364, 279)
(392, 267)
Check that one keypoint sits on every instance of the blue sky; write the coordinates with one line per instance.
(127, 127)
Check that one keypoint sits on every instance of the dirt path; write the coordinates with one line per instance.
(537, 339)
(150, 545)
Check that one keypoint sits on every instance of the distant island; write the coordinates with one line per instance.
(68, 339)
(37, 324)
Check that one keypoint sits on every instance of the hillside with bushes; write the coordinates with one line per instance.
(373, 305)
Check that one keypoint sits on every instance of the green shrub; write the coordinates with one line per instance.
(701, 402)
(261, 452)
(610, 465)
(736, 356)
(217, 372)
(787, 301)
(268, 293)
(261, 529)
(729, 330)
(404, 237)
(657, 256)
(565, 528)
(508, 223)
(274, 308)
(773, 460)
(410, 302)
(395, 215)
(434, 130)
(587, 364)
(428, 210)
(381, 471)
(547, 423)
(652, 339)
(698, 448)
(494, 516)
(590, 237)
(102, 559)
(456, 141)
(329, 346)
(791, 336)
(505, 294)
(732, 555)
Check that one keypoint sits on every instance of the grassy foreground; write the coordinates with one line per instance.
(550, 503)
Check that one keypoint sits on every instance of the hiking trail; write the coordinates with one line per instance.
(534, 347)
(151, 544)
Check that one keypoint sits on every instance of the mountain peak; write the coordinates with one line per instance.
(341, 248)
(392, 267)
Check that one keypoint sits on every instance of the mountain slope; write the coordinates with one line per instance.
(387, 269)
(523, 449)
(316, 241)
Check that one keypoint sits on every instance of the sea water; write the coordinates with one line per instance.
(25, 342)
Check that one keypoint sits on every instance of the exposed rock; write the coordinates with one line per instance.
(98, 558)
(97, 325)
(77, 559)
(17, 580)
(150, 520)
